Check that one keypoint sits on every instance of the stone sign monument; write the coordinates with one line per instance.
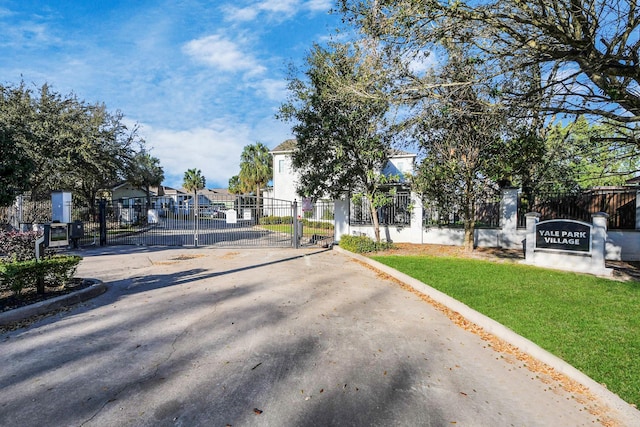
(567, 244)
(563, 235)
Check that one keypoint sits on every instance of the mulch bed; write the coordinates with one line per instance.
(9, 301)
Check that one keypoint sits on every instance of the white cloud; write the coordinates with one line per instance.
(222, 53)
(275, 9)
(423, 63)
(319, 5)
(5, 12)
(274, 89)
(286, 7)
(237, 14)
(28, 35)
(215, 150)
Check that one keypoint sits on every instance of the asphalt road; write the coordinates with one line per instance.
(265, 337)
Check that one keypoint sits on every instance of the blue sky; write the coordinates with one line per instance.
(202, 78)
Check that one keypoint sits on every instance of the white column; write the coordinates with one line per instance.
(416, 218)
(509, 219)
(637, 209)
(598, 239)
(341, 218)
(532, 220)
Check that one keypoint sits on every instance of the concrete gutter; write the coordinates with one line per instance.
(612, 400)
(42, 307)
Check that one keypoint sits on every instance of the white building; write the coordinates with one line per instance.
(285, 178)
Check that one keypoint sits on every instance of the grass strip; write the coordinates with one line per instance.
(590, 322)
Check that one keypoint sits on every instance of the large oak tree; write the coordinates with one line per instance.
(585, 52)
(338, 110)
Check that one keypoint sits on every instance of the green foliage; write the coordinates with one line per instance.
(328, 215)
(21, 275)
(339, 112)
(321, 225)
(362, 244)
(18, 245)
(590, 155)
(277, 220)
(457, 131)
(193, 181)
(50, 141)
(572, 68)
(256, 168)
(269, 220)
(235, 187)
(144, 171)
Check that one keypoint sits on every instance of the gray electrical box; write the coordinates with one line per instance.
(61, 206)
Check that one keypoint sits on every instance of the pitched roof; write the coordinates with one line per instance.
(286, 146)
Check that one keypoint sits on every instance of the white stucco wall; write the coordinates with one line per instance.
(623, 245)
(284, 178)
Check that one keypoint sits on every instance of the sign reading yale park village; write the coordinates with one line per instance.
(564, 235)
(567, 244)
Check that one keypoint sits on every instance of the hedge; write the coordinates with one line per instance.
(21, 275)
(362, 244)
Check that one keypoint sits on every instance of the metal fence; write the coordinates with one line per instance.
(396, 213)
(619, 204)
(487, 214)
(229, 220)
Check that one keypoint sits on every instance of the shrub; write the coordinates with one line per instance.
(318, 224)
(362, 244)
(18, 245)
(275, 220)
(55, 271)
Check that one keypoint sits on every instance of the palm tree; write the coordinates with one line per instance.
(235, 186)
(193, 181)
(255, 169)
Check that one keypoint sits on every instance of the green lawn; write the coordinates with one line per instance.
(591, 323)
(306, 231)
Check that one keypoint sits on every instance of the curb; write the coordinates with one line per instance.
(42, 307)
(624, 411)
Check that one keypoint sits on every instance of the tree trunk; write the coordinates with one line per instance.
(258, 205)
(469, 218)
(469, 227)
(374, 219)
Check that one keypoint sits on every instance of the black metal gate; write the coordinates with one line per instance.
(229, 221)
(219, 220)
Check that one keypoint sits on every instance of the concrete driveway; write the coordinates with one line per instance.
(263, 337)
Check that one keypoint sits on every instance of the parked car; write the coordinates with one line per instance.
(215, 211)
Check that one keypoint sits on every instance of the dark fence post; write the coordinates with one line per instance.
(102, 216)
(296, 236)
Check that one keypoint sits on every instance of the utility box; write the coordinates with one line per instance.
(61, 206)
(56, 235)
(76, 230)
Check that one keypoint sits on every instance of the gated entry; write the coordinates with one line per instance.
(230, 221)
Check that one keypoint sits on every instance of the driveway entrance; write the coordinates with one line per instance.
(255, 337)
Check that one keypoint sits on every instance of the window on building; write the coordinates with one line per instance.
(280, 166)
